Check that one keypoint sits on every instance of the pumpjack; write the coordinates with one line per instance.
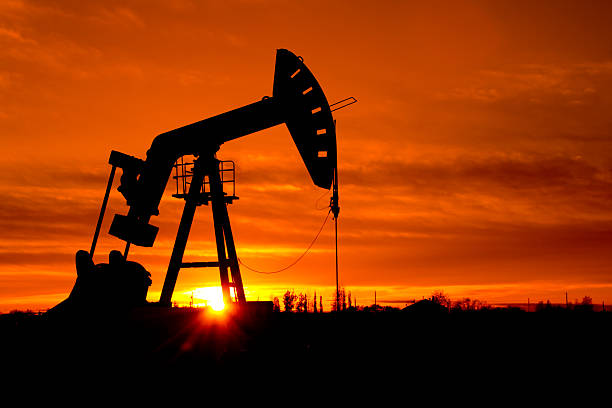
(297, 100)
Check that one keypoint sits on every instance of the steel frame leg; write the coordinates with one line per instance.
(224, 238)
(182, 235)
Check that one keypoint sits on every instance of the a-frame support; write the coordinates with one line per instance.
(226, 250)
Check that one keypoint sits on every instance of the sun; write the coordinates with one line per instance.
(211, 296)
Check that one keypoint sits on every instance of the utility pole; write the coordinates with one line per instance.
(335, 209)
(527, 305)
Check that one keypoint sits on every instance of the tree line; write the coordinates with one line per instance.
(292, 302)
(302, 303)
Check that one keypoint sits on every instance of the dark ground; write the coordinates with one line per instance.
(443, 348)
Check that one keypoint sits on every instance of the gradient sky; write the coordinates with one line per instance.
(478, 160)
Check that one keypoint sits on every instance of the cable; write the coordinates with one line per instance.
(294, 262)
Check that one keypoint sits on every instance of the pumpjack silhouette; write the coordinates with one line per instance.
(297, 100)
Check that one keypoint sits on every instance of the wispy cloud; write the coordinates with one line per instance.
(14, 35)
(570, 84)
(118, 16)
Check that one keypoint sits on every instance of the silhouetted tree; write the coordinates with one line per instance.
(542, 307)
(339, 302)
(289, 300)
(302, 304)
(314, 303)
(463, 304)
(586, 305)
(350, 303)
(275, 305)
(320, 304)
(441, 299)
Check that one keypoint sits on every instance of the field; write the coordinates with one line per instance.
(183, 343)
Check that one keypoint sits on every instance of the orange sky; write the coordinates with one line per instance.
(478, 159)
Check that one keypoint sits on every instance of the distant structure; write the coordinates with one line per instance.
(426, 306)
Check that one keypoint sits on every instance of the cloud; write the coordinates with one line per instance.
(14, 35)
(118, 16)
(534, 84)
(10, 7)
(7, 79)
(572, 177)
(14, 174)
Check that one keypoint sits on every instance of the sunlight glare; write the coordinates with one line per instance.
(212, 296)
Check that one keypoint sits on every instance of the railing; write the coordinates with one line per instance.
(183, 172)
